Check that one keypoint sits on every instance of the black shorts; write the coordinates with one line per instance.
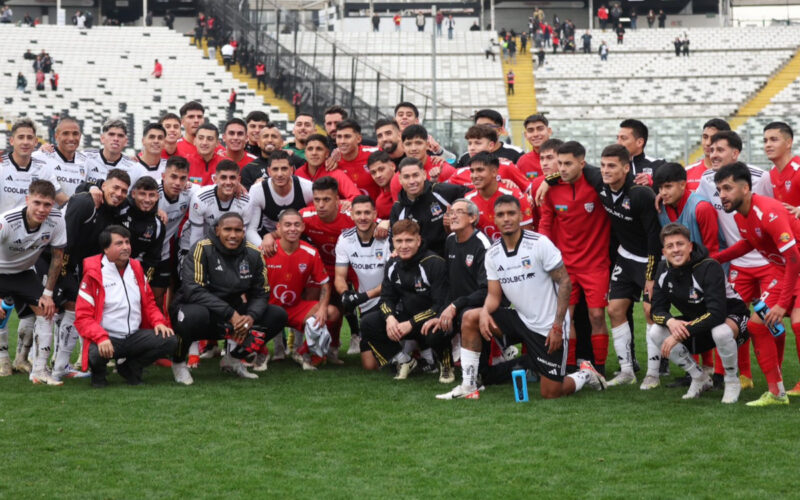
(704, 341)
(627, 280)
(163, 274)
(67, 287)
(25, 288)
(552, 366)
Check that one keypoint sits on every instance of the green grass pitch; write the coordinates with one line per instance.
(343, 433)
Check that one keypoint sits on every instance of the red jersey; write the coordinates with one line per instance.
(324, 235)
(202, 172)
(247, 158)
(573, 217)
(506, 170)
(447, 171)
(530, 165)
(537, 211)
(486, 208)
(782, 181)
(290, 274)
(706, 217)
(347, 190)
(185, 148)
(166, 155)
(359, 173)
(384, 204)
(693, 174)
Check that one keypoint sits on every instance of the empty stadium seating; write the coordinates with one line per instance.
(105, 72)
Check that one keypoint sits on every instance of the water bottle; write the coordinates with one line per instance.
(520, 381)
(8, 305)
(760, 307)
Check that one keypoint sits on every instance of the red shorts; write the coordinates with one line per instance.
(298, 313)
(772, 292)
(594, 286)
(750, 282)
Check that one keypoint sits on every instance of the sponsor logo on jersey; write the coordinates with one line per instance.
(9, 178)
(355, 254)
(468, 260)
(561, 208)
(785, 237)
(772, 216)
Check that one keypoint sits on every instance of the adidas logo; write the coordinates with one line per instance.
(218, 268)
(9, 178)
(355, 254)
(553, 372)
(18, 242)
(58, 167)
(500, 268)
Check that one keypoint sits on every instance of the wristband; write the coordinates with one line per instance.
(47, 293)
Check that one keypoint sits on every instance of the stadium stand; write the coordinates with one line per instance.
(106, 73)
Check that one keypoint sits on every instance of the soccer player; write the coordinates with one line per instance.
(332, 116)
(778, 140)
(390, 139)
(292, 269)
(18, 168)
(483, 169)
(424, 202)
(537, 132)
(234, 134)
(767, 227)
(407, 114)
(712, 314)
(141, 219)
(520, 266)
(172, 125)
(66, 162)
(482, 139)
(353, 160)
(117, 315)
(210, 202)
(573, 219)
(100, 161)
(24, 234)
(360, 253)
(224, 294)
(494, 120)
(204, 161)
(192, 116)
(270, 140)
(633, 135)
(152, 146)
(413, 291)
(317, 153)
(382, 169)
(256, 121)
(303, 127)
(415, 145)
(695, 171)
(548, 163)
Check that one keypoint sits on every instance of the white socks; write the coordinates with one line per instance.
(67, 338)
(427, 355)
(4, 341)
(401, 358)
(727, 349)
(656, 334)
(680, 356)
(622, 344)
(469, 368)
(25, 336)
(580, 378)
(43, 336)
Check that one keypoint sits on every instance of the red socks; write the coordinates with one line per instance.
(766, 351)
(571, 347)
(600, 348)
(744, 360)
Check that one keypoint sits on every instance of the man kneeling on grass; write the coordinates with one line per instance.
(116, 313)
(713, 314)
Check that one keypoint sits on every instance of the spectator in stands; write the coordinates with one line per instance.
(475, 26)
(54, 81)
(651, 18)
(231, 103)
(439, 21)
(5, 15)
(523, 43)
(510, 81)
(450, 24)
(397, 19)
(40, 80)
(376, 22)
(634, 16)
(158, 70)
(614, 14)
(540, 55)
(88, 19)
(685, 45)
(555, 42)
(420, 21)
(28, 55)
(491, 49)
(28, 20)
(586, 38)
(52, 123)
(512, 50)
(169, 19)
(212, 47)
(227, 52)
(80, 20)
(261, 75)
(620, 33)
(148, 19)
(662, 18)
(602, 16)
(603, 51)
(22, 82)
(199, 27)
(678, 44)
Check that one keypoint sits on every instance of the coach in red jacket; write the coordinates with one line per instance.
(116, 314)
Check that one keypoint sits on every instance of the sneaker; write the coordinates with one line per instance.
(622, 378)
(461, 391)
(211, 352)
(308, 366)
(355, 345)
(405, 369)
(684, 381)
(70, 372)
(181, 373)
(663, 368)
(194, 361)
(446, 374)
(260, 364)
(238, 369)
(769, 399)
(333, 356)
(732, 390)
(596, 380)
(5, 367)
(428, 368)
(747, 382)
(698, 387)
(794, 391)
(650, 382)
(45, 378)
(21, 365)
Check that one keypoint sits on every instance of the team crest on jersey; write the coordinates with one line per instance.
(148, 233)
(788, 185)
(772, 216)
(785, 237)
(184, 206)
(758, 232)
(244, 269)
(734, 274)
(468, 260)
(196, 206)
(589, 206)
(82, 171)
(693, 295)
(302, 266)
(379, 254)
(436, 209)
(45, 236)
(526, 263)
(626, 203)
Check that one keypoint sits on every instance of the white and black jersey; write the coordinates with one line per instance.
(523, 273)
(708, 188)
(266, 205)
(154, 172)
(68, 174)
(467, 270)
(367, 259)
(643, 164)
(20, 246)
(97, 167)
(176, 211)
(15, 180)
(205, 210)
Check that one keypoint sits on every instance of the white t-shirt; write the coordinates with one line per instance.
(524, 276)
(264, 212)
(176, 210)
(206, 208)
(155, 172)
(14, 180)
(68, 174)
(367, 260)
(97, 167)
(20, 247)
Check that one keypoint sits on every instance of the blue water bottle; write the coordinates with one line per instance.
(520, 381)
(8, 305)
(760, 307)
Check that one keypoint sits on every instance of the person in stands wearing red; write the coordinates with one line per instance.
(158, 70)
(116, 313)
